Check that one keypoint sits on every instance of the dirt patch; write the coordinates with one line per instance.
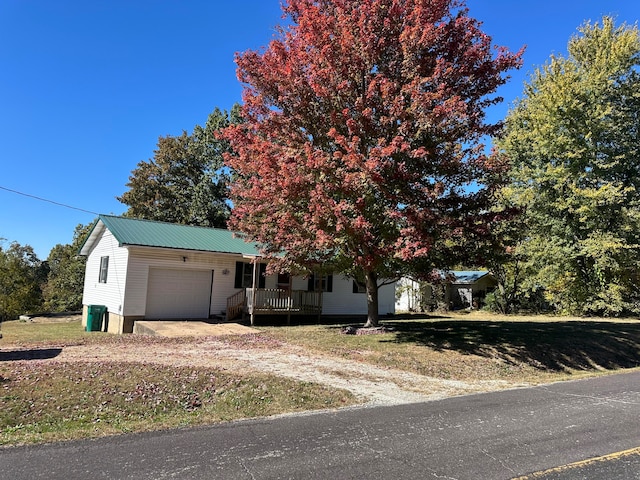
(52, 318)
(176, 329)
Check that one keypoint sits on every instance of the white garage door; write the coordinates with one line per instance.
(178, 293)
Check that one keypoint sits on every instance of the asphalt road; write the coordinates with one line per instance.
(584, 429)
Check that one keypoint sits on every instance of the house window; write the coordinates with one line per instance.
(104, 268)
(359, 287)
(247, 275)
(320, 283)
(284, 281)
(244, 275)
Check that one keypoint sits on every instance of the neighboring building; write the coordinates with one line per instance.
(142, 269)
(467, 289)
(414, 296)
(459, 289)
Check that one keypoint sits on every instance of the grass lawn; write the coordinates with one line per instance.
(482, 346)
(45, 400)
(27, 333)
(64, 401)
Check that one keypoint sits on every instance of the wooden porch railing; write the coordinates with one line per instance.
(236, 304)
(273, 301)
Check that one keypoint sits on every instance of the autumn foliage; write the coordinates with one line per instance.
(361, 144)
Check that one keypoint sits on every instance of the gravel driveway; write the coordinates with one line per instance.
(374, 385)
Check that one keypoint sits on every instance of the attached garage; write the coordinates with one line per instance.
(178, 293)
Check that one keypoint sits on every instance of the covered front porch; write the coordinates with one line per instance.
(273, 301)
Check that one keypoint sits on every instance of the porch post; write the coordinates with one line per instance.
(256, 267)
(289, 300)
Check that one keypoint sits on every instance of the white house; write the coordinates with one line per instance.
(146, 270)
(461, 289)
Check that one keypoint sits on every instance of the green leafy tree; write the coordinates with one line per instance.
(65, 281)
(574, 143)
(22, 275)
(185, 182)
(504, 253)
(362, 133)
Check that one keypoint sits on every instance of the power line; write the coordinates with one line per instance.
(46, 200)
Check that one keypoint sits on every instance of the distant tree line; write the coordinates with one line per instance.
(30, 285)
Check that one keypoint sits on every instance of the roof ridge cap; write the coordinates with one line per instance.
(164, 222)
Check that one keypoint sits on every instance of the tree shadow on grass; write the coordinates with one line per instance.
(555, 346)
(31, 354)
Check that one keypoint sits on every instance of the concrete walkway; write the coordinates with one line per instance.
(186, 328)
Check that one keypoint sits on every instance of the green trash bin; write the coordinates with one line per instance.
(95, 315)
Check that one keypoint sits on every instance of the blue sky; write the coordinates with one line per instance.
(87, 87)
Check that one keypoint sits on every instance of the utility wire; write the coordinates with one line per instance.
(46, 200)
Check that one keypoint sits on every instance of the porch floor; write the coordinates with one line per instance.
(189, 328)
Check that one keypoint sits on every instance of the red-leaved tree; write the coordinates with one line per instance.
(361, 145)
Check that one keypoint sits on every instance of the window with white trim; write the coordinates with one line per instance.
(244, 275)
(320, 283)
(104, 269)
(359, 287)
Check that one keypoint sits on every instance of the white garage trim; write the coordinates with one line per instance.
(178, 293)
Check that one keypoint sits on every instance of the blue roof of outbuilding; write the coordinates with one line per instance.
(148, 233)
(468, 276)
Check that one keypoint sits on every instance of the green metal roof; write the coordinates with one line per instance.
(147, 233)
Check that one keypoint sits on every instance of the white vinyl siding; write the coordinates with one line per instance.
(342, 301)
(111, 293)
(412, 295)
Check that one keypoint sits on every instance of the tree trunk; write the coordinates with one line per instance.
(372, 300)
